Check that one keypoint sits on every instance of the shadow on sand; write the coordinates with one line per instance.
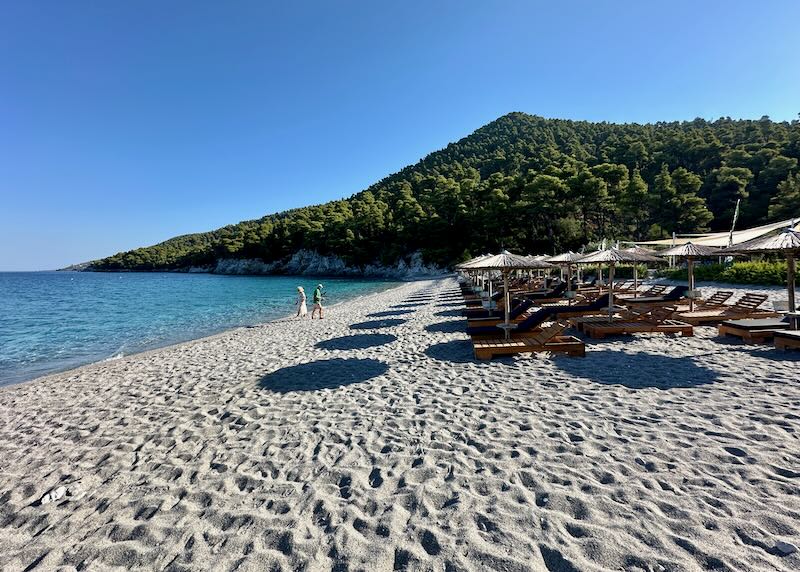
(447, 327)
(450, 305)
(356, 342)
(390, 313)
(637, 371)
(410, 305)
(449, 314)
(375, 324)
(322, 374)
(455, 351)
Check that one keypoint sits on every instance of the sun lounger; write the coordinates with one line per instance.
(753, 330)
(650, 301)
(497, 316)
(527, 327)
(716, 300)
(748, 306)
(787, 339)
(554, 293)
(549, 339)
(657, 320)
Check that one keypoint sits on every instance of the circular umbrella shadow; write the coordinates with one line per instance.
(455, 351)
(375, 324)
(323, 374)
(356, 342)
(638, 371)
(446, 327)
(389, 313)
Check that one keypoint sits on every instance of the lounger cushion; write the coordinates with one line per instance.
(755, 324)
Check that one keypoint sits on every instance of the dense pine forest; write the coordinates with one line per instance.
(532, 185)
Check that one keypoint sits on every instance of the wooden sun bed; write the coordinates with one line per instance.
(549, 339)
(598, 330)
(748, 306)
(717, 300)
(753, 330)
(656, 320)
(787, 339)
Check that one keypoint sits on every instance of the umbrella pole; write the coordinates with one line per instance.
(791, 269)
(569, 283)
(635, 279)
(690, 271)
(508, 302)
(610, 290)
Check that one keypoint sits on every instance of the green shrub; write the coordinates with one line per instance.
(756, 272)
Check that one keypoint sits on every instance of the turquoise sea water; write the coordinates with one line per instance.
(52, 321)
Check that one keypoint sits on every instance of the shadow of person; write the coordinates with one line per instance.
(376, 324)
(638, 370)
(356, 342)
(455, 351)
(322, 374)
(447, 327)
(390, 313)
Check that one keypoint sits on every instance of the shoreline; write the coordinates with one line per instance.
(70, 370)
(373, 440)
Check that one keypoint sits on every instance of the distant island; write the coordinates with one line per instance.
(522, 182)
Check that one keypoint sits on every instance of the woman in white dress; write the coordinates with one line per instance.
(302, 309)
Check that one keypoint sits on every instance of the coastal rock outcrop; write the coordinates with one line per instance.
(307, 262)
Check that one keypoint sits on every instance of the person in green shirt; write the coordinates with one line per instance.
(317, 302)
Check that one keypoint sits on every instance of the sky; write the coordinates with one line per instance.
(123, 124)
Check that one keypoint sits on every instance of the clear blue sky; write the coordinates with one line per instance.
(126, 123)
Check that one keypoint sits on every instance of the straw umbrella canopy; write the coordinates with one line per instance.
(467, 267)
(646, 255)
(567, 259)
(691, 252)
(506, 262)
(612, 257)
(787, 243)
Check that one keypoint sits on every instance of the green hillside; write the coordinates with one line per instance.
(529, 184)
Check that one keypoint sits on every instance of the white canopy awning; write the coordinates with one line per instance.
(721, 238)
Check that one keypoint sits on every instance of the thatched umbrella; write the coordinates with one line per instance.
(612, 257)
(646, 255)
(786, 243)
(691, 252)
(468, 266)
(506, 262)
(566, 259)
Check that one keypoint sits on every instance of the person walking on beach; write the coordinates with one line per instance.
(317, 302)
(302, 308)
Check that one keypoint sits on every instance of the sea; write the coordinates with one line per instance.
(54, 321)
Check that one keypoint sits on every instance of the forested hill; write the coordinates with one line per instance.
(532, 185)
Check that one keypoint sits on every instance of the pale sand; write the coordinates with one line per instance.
(278, 448)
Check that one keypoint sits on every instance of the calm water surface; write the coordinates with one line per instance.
(52, 321)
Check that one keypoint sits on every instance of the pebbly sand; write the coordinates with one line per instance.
(373, 441)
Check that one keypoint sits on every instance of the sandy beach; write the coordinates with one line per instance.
(374, 441)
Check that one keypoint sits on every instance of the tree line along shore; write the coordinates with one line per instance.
(529, 184)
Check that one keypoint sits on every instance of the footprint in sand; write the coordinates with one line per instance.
(375, 478)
